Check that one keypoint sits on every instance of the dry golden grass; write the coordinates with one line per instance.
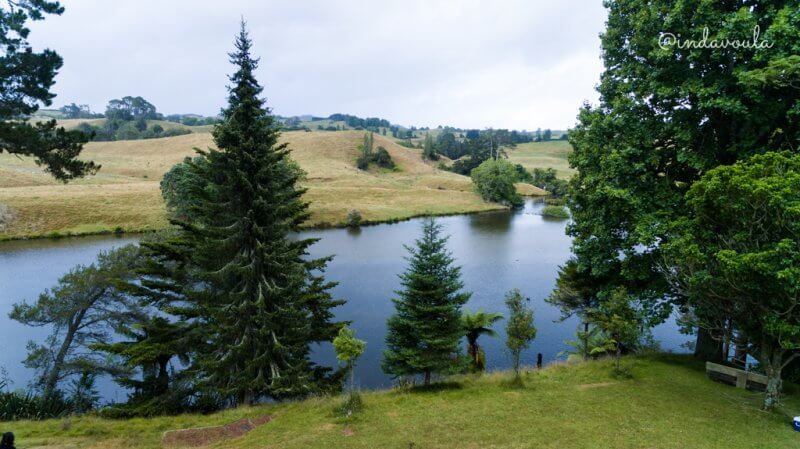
(125, 194)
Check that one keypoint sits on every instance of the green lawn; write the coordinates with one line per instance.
(552, 154)
(668, 403)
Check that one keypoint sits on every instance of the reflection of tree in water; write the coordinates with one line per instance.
(354, 231)
(491, 222)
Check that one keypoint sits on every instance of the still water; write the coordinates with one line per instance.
(497, 251)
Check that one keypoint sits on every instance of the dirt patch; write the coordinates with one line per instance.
(597, 385)
(203, 436)
(348, 432)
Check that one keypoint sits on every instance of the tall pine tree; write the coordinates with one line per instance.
(258, 298)
(425, 331)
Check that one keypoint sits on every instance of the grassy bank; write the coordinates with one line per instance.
(552, 154)
(668, 403)
(125, 196)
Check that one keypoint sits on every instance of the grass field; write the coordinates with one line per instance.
(669, 403)
(125, 195)
(552, 154)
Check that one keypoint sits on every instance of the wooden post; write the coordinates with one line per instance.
(539, 361)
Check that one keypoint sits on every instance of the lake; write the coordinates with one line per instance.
(497, 251)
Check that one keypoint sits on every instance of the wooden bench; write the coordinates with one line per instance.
(735, 376)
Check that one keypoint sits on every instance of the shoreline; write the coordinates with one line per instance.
(55, 235)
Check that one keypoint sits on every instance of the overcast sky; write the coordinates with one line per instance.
(471, 64)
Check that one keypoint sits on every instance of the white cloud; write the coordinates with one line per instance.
(517, 64)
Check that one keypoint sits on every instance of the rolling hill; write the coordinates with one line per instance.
(125, 196)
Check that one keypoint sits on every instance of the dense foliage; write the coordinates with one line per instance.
(494, 180)
(736, 257)
(667, 115)
(27, 77)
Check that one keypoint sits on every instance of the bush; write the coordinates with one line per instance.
(382, 158)
(17, 405)
(354, 219)
(494, 180)
(555, 212)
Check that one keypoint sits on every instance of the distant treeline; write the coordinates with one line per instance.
(384, 127)
(127, 119)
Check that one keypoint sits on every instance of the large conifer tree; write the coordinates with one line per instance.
(257, 296)
(425, 331)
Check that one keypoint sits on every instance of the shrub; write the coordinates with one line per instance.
(17, 405)
(354, 219)
(554, 201)
(555, 212)
(382, 158)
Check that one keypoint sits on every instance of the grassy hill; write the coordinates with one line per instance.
(551, 154)
(669, 403)
(125, 194)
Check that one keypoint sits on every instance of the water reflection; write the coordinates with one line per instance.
(497, 251)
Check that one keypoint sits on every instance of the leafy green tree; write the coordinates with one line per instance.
(520, 330)
(73, 110)
(424, 332)
(474, 325)
(131, 108)
(259, 301)
(494, 180)
(348, 349)
(81, 311)
(429, 148)
(25, 83)
(668, 115)
(547, 135)
(620, 322)
(737, 255)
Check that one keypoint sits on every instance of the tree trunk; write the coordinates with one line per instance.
(352, 376)
(772, 359)
(427, 379)
(618, 356)
(586, 341)
(58, 362)
(163, 375)
(707, 348)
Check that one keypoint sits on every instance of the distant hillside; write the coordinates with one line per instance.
(125, 193)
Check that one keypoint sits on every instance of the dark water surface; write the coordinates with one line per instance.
(497, 251)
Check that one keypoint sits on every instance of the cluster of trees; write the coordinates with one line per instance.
(368, 155)
(369, 123)
(685, 194)
(191, 119)
(424, 334)
(127, 119)
(544, 178)
(73, 111)
(227, 292)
